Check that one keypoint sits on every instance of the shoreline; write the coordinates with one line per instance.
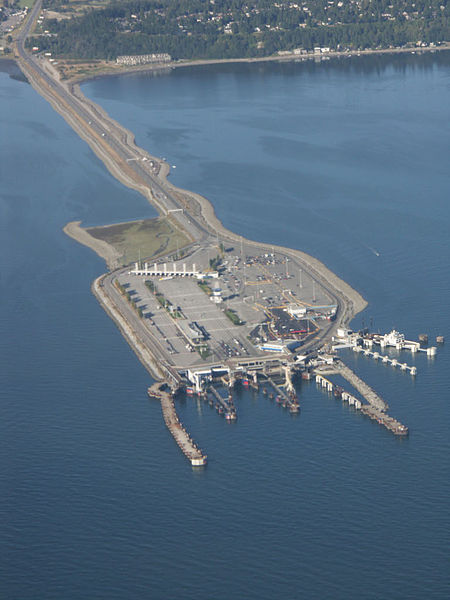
(207, 213)
(317, 267)
(199, 205)
(104, 250)
(142, 352)
(110, 140)
(182, 63)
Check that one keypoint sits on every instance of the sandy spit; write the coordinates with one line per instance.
(100, 247)
(352, 301)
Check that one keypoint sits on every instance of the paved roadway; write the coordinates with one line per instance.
(95, 124)
(149, 340)
(106, 133)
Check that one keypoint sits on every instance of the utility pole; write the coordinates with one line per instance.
(300, 282)
(243, 260)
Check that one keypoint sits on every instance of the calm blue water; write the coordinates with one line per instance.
(345, 160)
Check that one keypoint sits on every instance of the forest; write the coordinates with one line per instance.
(189, 29)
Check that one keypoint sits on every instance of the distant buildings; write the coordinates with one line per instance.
(143, 59)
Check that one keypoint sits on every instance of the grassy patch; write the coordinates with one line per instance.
(214, 262)
(76, 69)
(204, 352)
(150, 285)
(205, 287)
(163, 301)
(233, 317)
(23, 3)
(149, 238)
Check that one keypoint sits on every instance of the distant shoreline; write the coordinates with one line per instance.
(350, 300)
(116, 70)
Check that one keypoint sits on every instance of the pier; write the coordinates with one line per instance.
(384, 419)
(365, 390)
(224, 406)
(375, 408)
(338, 391)
(339, 368)
(163, 337)
(287, 400)
(180, 435)
(387, 360)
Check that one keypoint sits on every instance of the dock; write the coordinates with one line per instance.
(365, 390)
(384, 419)
(224, 406)
(387, 360)
(286, 400)
(186, 444)
(338, 391)
(375, 408)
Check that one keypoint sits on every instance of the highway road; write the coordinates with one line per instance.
(113, 145)
(143, 334)
(105, 133)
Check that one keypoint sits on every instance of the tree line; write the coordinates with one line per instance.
(230, 28)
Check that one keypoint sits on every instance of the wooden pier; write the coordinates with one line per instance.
(186, 444)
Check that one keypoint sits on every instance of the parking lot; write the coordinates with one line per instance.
(211, 319)
(189, 305)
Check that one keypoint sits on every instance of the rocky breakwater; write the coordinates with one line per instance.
(186, 444)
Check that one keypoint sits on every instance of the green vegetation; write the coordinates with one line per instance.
(14, 5)
(214, 262)
(149, 238)
(120, 287)
(129, 296)
(24, 3)
(231, 314)
(150, 285)
(163, 301)
(175, 313)
(188, 29)
(204, 351)
(205, 287)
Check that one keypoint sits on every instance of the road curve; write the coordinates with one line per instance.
(132, 166)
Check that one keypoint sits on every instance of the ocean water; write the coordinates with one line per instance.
(347, 160)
